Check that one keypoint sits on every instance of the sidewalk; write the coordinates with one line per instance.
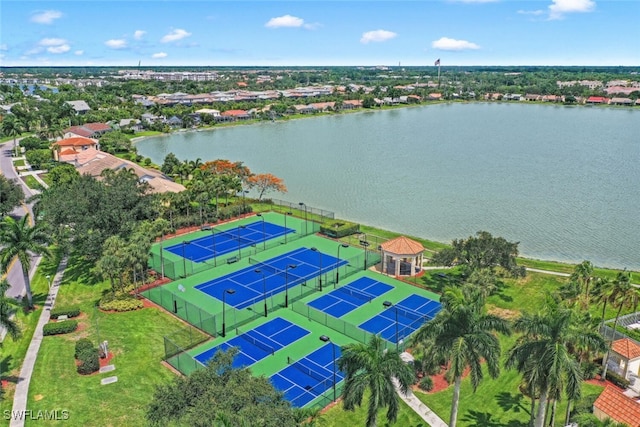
(420, 408)
(22, 387)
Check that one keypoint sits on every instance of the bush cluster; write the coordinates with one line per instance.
(69, 312)
(426, 384)
(617, 379)
(57, 328)
(88, 357)
(120, 302)
(337, 229)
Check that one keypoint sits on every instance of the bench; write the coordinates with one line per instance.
(205, 227)
(232, 259)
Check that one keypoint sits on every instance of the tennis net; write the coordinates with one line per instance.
(235, 236)
(270, 268)
(357, 293)
(256, 342)
(410, 314)
(311, 372)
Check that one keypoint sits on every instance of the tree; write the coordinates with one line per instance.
(63, 174)
(583, 274)
(6, 309)
(371, 366)
(171, 165)
(13, 127)
(39, 158)
(220, 392)
(482, 251)
(266, 182)
(543, 354)
(115, 142)
(20, 240)
(464, 335)
(623, 294)
(11, 195)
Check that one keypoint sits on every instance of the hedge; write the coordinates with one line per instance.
(618, 380)
(89, 361)
(339, 228)
(123, 302)
(69, 312)
(82, 345)
(57, 328)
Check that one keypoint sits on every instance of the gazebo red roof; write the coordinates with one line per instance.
(403, 246)
(626, 348)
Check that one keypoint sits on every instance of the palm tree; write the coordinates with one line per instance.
(6, 304)
(20, 240)
(12, 127)
(543, 354)
(583, 274)
(602, 295)
(623, 294)
(374, 367)
(463, 334)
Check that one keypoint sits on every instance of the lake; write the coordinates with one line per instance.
(563, 181)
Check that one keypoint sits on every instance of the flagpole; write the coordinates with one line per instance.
(438, 64)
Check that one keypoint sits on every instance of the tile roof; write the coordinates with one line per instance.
(618, 407)
(626, 348)
(234, 113)
(403, 246)
(76, 141)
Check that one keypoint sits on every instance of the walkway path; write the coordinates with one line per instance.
(420, 408)
(22, 387)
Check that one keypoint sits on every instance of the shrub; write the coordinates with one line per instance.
(337, 229)
(82, 345)
(426, 384)
(617, 379)
(590, 370)
(57, 328)
(89, 361)
(69, 312)
(120, 302)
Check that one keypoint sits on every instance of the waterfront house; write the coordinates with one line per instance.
(621, 101)
(88, 130)
(232, 115)
(72, 146)
(532, 97)
(175, 122)
(350, 104)
(597, 100)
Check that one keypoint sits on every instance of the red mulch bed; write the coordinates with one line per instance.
(439, 383)
(107, 360)
(598, 381)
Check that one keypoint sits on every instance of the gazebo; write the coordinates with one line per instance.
(402, 256)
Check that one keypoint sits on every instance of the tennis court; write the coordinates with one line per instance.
(258, 343)
(347, 298)
(221, 242)
(403, 318)
(264, 279)
(305, 379)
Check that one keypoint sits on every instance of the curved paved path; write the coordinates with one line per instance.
(22, 387)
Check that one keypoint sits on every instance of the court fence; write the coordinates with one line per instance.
(176, 346)
(178, 269)
(311, 213)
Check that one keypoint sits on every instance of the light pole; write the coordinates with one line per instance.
(184, 257)
(49, 281)
(264, 236)
(240, 227)
(306, 230)
(286, 284)
(244, 206)
(364, 244)
(285, 225)
(224, 294)
(264, 290)
(388, 304)
(320, 261)
(341, 245)
(325, 338)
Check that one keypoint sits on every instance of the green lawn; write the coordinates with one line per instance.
(135, 338)
(31, 182)
(19, 162)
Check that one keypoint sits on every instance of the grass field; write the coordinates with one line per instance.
(135, 338)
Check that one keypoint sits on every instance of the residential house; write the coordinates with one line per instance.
(434, 97)
(80, 107)
(624, 360)
(323, 106)
(232, 115)
(615, 405)
(621, 101)
(532, 97)
(72, 146)
(302, 109)
(597, 100)
(174, 121)
(132, 124)
(552, 98)
(150, 118)
(351, 104)
(88, 130)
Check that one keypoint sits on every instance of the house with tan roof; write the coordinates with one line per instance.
(615, 405)
(72, 146)
(88, 130)
(350, 104)
(402, 256)
(231, 115)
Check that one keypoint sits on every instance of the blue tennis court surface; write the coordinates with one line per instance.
(412, 312)
(221, 242)
(282, 272)
(349, 297)
(307, 378)
(258, 343)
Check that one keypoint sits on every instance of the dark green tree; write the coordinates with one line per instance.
(11, 195)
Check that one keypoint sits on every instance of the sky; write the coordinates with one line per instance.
(322, 33)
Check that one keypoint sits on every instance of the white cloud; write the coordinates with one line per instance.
(285, 21)
(138, 34)
(46, 17)
(445, 43)
(174, 35)
(52, 42)
(116, 43)
(532, 12)
(59, 49)
(377, 36)
(79, 52)
(159, 55)
(559, 8)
